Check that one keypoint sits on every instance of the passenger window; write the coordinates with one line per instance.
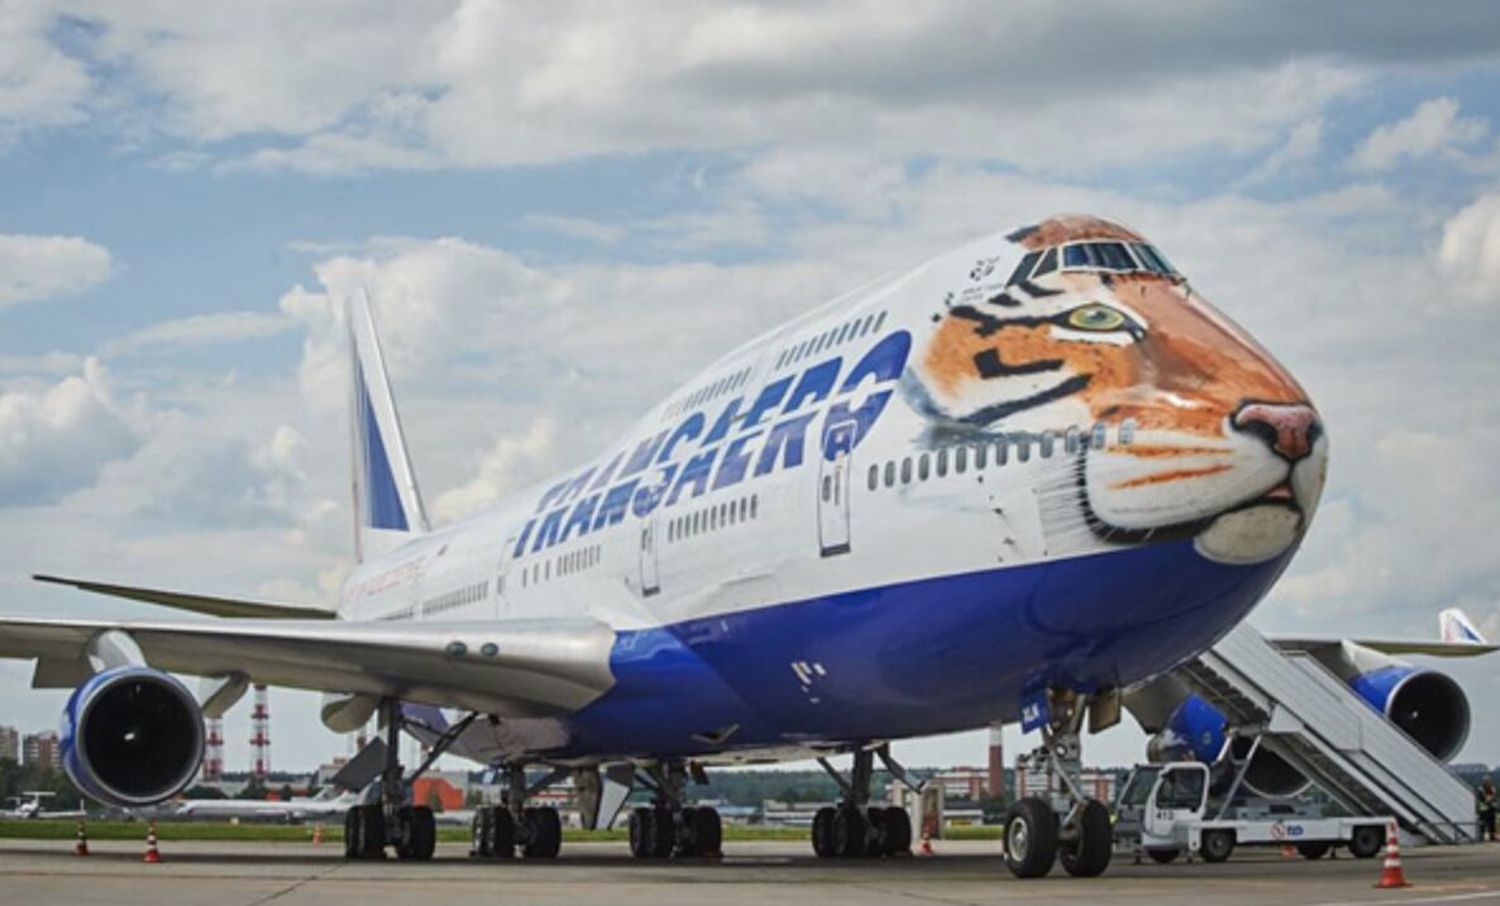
(754, 499)
(1099, 435)
(923, 467)
(1070, 440)
(1002, 452)
(864, 326)
(961, 460)
(890, 473)
(906, 470)
(874, 477)
(879, 321)
(1049, 440)
(713, 520)
(1127, 431)
(744, 505)
(1023, 270)
(981, 456)
(1023, 448)
(942, 462)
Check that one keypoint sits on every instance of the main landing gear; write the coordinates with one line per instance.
(854, 828)
(667, 827)
(500, 831)
(389, 817)
(1064, 825)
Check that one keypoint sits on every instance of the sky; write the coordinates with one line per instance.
(563, 210)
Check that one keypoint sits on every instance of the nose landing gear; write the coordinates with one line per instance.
(1063, 825)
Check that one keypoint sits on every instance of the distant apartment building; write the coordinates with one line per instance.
(10, 744)
(41, 749)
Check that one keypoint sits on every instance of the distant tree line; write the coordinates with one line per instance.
(16, 779)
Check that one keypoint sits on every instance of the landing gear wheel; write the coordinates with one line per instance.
(1163, 856)
(1314, 850)
(896, 824)
(663, 833)
(1217, 845)
(1367, 841)
(416, 835)
(481, 844)
(544, 833)
(1088, 854)
(1030, 838)
(351, 833)
(875, 841)
(849, 832)
(700, 833)
(642, 836)
(371, 832)
(502, 828)
(822, 832)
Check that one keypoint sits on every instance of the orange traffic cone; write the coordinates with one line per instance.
(81, 847)
(1288, 851)
(1391, 874)
(317, 834)
(153, 855)
(926, 849)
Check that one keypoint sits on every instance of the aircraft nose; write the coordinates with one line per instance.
(1290, 429)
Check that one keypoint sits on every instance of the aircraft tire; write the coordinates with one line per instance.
(1217, 845)
(1088, 856)
(663, 833)
(875, 836)
(708, 827)
(502, 829)
(418, 833)
(642, 840)
(370, 832)
(1163, 856)
(822, 832)
(1030, 838)
(480, 842)
(544, 839)
(1314, 850)
(850, 830)
(351, 833)
(897, 825)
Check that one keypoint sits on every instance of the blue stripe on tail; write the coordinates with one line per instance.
(382, 501)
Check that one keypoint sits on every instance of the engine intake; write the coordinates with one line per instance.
(1429, 706)
(131, 736)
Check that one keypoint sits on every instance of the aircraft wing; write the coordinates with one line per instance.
(205, 604)
(516, 668)
(1392, 646)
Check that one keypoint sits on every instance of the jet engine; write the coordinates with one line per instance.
(1429, 706)
(131, 736)
(1196, 731)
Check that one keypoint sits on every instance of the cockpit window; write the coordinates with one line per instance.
(1023, 270)
(1048, 265)
(1110, 256)
(1152, 259)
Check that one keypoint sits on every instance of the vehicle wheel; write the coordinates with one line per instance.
(897, 831)
(822, 832)
(1217, 845)
(1030, 838)
(642, 837)
(502, 829)
(849, 831)
(663, 833)
(480, 842)
(1314, 850)
(419, 839)
(352, 823)
(875, 841)
(708, 831)
(1366, 841)
(1088, 855)
(544, 837)
(371, 831)
(1163, 856)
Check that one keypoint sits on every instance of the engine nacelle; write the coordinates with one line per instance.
(131, 736)
(1429, 706)
(1197, 731)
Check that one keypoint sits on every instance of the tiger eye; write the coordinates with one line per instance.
(1095, 317)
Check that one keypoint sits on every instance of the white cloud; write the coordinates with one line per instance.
(1470, 250)
(55, 438)
(1433, 128)
(200, 330)
(513, 462)
(33, 268)
(1302, 144)
(40, 86)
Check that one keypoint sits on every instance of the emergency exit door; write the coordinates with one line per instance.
(650, 581)
(834, 470)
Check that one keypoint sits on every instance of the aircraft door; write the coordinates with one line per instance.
(503, 578)
(834, 471)
(650, 562)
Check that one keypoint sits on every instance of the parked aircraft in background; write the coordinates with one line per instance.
(1004, 486)
(329, 804)
(29, 805)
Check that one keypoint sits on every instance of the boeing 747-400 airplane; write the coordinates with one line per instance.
(1012, 484)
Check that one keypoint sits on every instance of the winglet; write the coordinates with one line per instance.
(1455, 626)
(387, 504)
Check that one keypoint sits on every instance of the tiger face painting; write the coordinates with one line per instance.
(1096, 329)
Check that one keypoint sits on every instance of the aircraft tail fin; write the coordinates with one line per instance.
(387, 504)
(1455, 626)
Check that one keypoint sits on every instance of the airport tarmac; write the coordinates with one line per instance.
(232, 874)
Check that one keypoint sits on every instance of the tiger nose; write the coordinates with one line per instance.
(1289, 429)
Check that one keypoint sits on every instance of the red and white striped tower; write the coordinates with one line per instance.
(996, 763)
(260, 735)
(213, 748)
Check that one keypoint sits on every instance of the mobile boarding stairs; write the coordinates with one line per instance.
(1296, 708)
